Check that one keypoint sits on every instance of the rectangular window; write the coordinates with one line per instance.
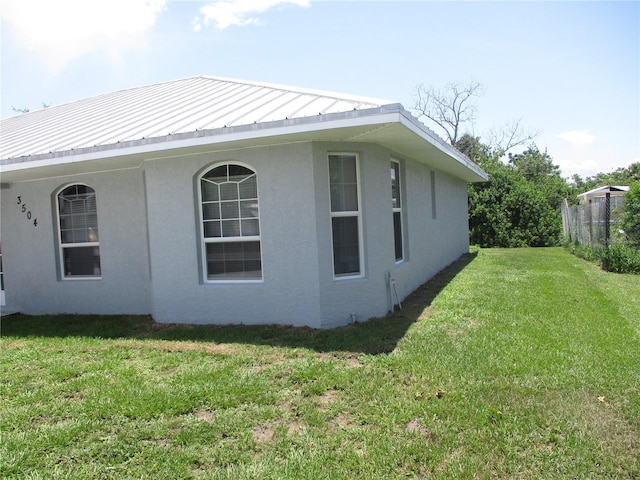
(396, 204)
(345, 215)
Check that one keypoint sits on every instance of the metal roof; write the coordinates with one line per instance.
(614, 190)
(116, 129)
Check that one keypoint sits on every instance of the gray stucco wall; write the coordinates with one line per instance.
(32, 275)
(150, 242)
(430, 243)
(288, 292)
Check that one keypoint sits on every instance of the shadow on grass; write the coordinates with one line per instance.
(376, 336)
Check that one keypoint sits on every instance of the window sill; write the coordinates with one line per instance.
(79, 278)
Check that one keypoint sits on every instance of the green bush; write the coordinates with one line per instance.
(631, 219)
(618, 258)
(621, 259)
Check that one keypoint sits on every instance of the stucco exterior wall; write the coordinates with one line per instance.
(430, 244)
(151, 249)
(33, 282)
(288, 292)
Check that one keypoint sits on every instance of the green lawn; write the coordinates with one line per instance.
(512, 364)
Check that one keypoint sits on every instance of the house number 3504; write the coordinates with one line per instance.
(24, 209)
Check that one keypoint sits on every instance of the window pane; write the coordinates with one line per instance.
(210, 211)
(231, 228)
(229, 191)
(212, 229)
(249, 188)
(346, 250)
(209, 191)
(234, 260)
(230, 209)
(81, 261)
(238, 172)
(218, 174)
(343, 183)
(344, 198)
(78, 215)
(397, 234)
(395, 184)
(249, 209)
(250, 228)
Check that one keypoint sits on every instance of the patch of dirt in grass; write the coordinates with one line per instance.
(344, 421)
(215, 348)
(294, 427)
(327, 398)
(162, 442)
(414, 426)
(205, 415)
(347, 359)
(262, 434)
(170, 346)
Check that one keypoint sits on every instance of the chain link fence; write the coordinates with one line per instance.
(595, 223)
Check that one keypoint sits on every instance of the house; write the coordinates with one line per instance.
(211, 200)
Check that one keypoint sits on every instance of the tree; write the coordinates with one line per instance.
(509, 136)
(448, 108)
(453, 107)
(520, 203)
(620, 176)
(26, 110)
(631, 218)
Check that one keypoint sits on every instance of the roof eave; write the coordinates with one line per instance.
(351, 126)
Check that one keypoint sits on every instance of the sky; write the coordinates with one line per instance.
(567, 70)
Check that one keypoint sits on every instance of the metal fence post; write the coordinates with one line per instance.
(607, 219)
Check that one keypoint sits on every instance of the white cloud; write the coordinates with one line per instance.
(61, 30)
(578, 137)
(238, 12)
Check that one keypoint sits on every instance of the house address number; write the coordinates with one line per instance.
(24, 209)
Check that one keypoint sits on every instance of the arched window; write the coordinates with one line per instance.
(78, 232)
(230, 223)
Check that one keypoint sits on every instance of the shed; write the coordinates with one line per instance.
(616, 194)
(214, 200)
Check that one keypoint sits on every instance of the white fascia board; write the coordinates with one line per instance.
(410, 122)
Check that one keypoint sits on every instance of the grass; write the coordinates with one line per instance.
(511, 364)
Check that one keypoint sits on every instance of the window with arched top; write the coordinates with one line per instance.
(230, 223)
(78, 232)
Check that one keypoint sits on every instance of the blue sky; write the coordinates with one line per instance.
(570, 70)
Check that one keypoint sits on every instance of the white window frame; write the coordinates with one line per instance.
(350, 213)
(204, 241)
(63, 246)
(398, 209)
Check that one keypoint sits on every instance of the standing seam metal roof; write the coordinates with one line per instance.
(179, 106)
